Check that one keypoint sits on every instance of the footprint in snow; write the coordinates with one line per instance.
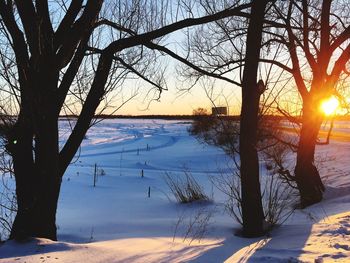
(343, 231)
(338, 255)
(345, 223)
(340, 246)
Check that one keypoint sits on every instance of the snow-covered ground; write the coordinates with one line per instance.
(116, 221)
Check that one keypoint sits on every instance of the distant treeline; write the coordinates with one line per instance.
(177, 117)
(162, 117)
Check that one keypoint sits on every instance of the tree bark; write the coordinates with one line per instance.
(19, 146)
(252, 210)
(306, 174)
(33, 144)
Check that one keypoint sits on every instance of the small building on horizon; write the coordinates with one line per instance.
(219, 111)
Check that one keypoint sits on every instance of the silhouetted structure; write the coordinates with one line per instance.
(219, 111)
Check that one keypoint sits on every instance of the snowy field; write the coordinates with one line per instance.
(130, 218)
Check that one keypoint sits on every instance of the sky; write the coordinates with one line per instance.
(173, 102)
(176, 101)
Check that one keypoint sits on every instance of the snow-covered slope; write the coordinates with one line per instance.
(116, 221)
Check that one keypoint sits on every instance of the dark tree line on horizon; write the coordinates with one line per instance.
(85, 51)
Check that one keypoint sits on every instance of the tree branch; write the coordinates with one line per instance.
(67, 21)
(28, 16)
(151, 45)
(144, 38)
(87, 113)
(71, 71)
(19, 43)
(77, 31)
(44, 19)
(137, 73)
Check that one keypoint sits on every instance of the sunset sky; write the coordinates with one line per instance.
(172, 102)
(177, 100)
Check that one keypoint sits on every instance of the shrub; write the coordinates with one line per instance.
(8, 201)
(279, 189)
(216, 131)
(194, 224)
(278, 198)
(185, 188)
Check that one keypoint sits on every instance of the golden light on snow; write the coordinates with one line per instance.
(330, 105)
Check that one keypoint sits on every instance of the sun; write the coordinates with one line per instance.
(329, 106)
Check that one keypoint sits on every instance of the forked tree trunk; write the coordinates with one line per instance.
(307, 176)
(42, 51)
(252, 210)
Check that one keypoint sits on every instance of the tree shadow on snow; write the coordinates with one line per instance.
(284, 244)
(14, 249)
(287, 242)
(224, 250)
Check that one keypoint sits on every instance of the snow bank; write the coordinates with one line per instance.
(116, 221)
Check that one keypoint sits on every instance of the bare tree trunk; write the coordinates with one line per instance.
(48, 178)
(252, 210)
(37, 204)
(20, 147)
(307, 176)
(35, 151)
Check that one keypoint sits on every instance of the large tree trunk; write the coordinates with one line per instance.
(36, 215)
(36, 161)
(252, 210)
(48, 178)
(20, 148)
(37, 184)
(307, 176)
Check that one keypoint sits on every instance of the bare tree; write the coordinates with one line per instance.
(306, 41)
(49, 51)
(206, 62)
(315, 36)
